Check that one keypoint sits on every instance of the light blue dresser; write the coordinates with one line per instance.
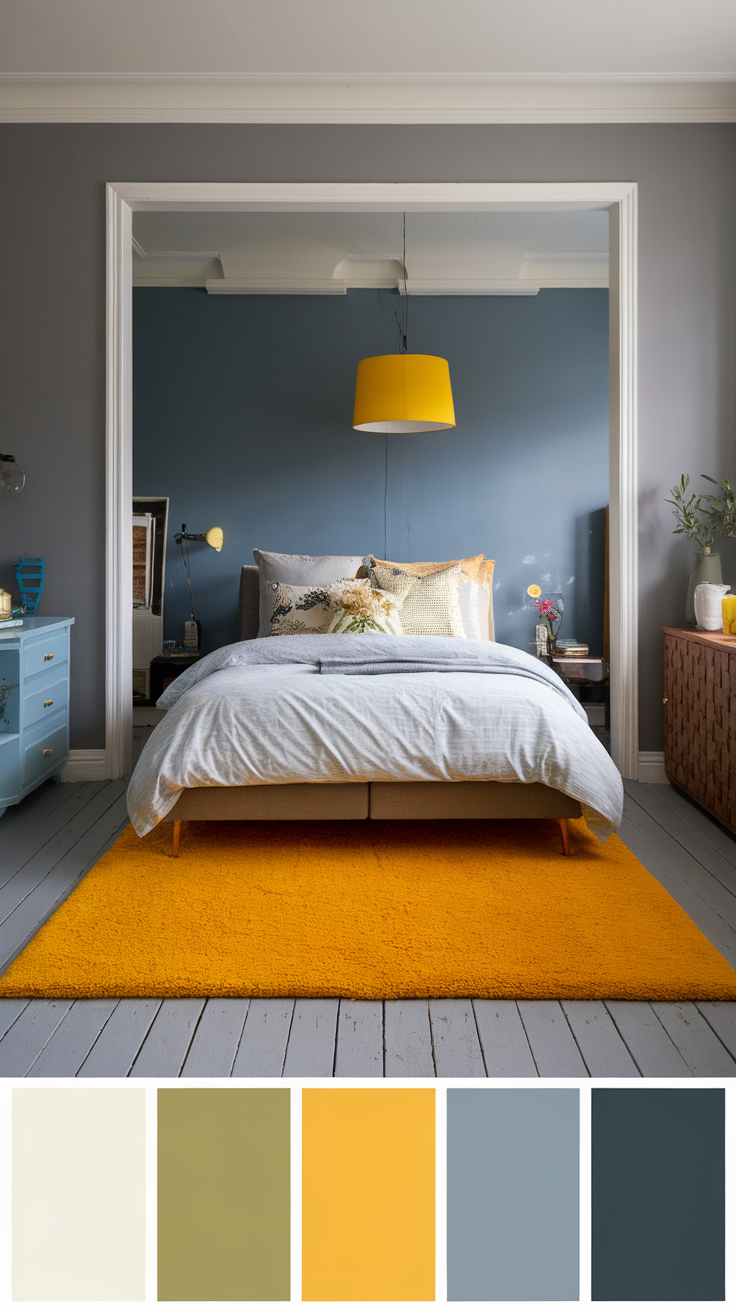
(34, 720)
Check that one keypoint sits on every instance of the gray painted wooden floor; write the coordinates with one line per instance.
(50, 841)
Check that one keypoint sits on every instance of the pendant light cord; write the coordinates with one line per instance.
(405, 307)
(385, 505)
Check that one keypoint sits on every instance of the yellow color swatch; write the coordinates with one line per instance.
(368, 1189)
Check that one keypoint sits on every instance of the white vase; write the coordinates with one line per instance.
(707, 599)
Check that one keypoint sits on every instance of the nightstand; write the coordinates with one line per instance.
(164, 669)
(34, 705)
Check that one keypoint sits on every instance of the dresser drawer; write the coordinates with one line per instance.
(45, 653)
(44, 701)
(47, 754)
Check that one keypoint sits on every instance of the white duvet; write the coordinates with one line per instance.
(340, 708)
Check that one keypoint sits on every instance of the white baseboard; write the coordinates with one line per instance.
(651, 768)
(84, 765)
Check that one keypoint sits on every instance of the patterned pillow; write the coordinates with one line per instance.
(363, 609)
(295, 609)
(475, 598)
(315, 571)
(431, 602)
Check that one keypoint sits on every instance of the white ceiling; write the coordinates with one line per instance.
(537, 38)
(368, 60)
(325, 253)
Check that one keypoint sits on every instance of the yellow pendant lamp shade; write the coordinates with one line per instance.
(403, 394)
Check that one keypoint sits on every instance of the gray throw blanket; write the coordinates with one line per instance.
(374, 654)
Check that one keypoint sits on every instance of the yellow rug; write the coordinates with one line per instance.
(370, 910)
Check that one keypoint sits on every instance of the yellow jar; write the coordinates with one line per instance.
(6, 605)
(728, 605)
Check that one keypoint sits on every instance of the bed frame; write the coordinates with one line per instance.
(464, 800)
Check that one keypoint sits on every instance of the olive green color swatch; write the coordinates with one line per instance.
(223, 1194)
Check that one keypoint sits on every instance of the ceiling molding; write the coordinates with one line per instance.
(373, 79)
(273, 98)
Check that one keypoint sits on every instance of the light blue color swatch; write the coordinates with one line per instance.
(513, 1194)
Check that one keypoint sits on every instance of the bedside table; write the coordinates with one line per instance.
(164, 669)
(34, 705)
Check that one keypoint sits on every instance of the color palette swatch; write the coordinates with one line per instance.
(78, 1205)
(368, 1194)
(658, 1201)
(223, 1194)
(513, 1215)
(369, 1201)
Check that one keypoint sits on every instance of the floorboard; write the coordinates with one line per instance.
(457, 1050)
(721, 1016)
(122, 1038)
(27, 1038)
(697, 1044)
(50, 881)
(72, 1040)
(407, 1039)
(54, 836)
(716, 836)
(648, 1042)
(216, 1039)
(166, 1044)
(707, 902)
(262, 1050)
(359, 1044)
(601, 1046)
(717, 865)
(551, 1040)
(311, 1047)
(506, 1050)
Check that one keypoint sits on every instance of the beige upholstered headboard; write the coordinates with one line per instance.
(249, 604)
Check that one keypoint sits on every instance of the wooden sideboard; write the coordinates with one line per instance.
(700, 718)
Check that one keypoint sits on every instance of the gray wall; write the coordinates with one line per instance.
(242, 417)
(52, 343)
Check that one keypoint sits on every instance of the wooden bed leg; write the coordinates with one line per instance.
(565, 837)
(177, 836)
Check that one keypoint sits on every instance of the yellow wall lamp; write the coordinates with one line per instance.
(214, 537)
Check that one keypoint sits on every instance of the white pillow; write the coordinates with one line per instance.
(474, 601)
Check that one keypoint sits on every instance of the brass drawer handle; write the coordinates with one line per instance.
(47, 751)
(664, 701)
(49, 703)
(49, 656)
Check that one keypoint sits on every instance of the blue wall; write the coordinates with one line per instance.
(242, 417)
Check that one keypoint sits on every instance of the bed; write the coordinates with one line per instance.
(401, 729)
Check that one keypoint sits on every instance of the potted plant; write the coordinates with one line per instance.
(703, 524)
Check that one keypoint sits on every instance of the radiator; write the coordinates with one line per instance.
(148, 638)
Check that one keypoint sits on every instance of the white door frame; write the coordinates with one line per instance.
(620, 199)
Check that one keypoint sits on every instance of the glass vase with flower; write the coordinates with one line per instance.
(550, 610)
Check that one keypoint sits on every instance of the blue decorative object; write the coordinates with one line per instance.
(29, 575)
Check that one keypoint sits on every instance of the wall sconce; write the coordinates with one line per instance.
(214, 537)
(12, 477)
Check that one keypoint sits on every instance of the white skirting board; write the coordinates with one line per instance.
(84, 765)
(651, 768)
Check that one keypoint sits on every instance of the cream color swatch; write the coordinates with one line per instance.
(78, 1194)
